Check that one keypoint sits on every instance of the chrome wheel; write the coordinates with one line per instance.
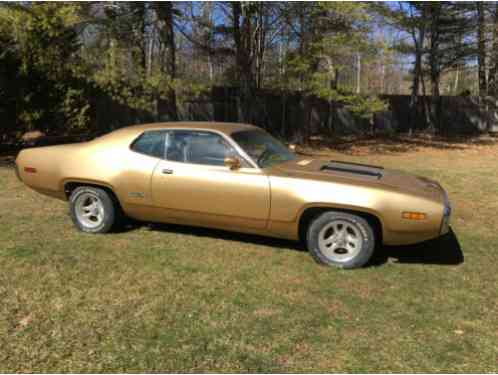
(89, 210)
(340, 240)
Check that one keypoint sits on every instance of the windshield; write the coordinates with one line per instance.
(262, 147)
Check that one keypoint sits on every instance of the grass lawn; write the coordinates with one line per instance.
(169, 298)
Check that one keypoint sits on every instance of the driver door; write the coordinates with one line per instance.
(194, 186)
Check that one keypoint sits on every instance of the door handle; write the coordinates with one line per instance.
(167, 171)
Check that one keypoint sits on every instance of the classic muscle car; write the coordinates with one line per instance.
(239, 178)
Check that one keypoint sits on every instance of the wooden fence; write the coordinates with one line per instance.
(286, 114)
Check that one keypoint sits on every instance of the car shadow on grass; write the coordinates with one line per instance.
(221, 235)
(445, 250)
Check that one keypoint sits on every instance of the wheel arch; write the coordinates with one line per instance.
(309, 213)
(70, 185)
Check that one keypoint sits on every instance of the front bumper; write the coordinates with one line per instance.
(445, 222)
(16, 169)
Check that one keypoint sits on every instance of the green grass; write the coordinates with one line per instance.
(176, 299)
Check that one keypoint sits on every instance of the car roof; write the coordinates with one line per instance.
(223, 127)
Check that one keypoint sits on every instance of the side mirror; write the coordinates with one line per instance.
(232, 163)
(292, 147)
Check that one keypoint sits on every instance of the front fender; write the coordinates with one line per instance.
(291, 197)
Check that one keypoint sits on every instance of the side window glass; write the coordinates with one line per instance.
(198, 147)
(176, 145)
(150, 143)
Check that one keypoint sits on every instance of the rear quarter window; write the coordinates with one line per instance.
(150, 143)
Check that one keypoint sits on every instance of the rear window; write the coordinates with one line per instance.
(150, 143)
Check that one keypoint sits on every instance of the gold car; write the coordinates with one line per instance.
(237, 177)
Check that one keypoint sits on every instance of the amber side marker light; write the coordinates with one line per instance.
(29, 170)
(414, 215)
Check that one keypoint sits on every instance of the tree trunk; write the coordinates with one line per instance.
(260, 43)
(493, 73)
(481, 56)
(358, 73)
(236, 14)
(418, 37)
(244, 53)
(141, 12)
(481, 62)
(417, 76)
(426, 103)
(435, 67)
(165, 11)
(414, 94)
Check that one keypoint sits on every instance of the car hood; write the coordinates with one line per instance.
(359, 174)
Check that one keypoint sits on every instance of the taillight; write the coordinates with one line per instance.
(29, 170)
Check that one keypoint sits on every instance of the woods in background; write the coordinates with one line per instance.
(60, 63)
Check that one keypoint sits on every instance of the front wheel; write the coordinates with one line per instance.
(92, 209)
(341, 239)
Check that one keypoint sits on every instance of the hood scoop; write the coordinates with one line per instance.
(353, 168)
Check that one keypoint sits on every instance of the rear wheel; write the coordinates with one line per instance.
(341, 239)
(93, 210)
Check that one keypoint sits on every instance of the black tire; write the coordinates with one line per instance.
(360, 255)
(111, 215)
